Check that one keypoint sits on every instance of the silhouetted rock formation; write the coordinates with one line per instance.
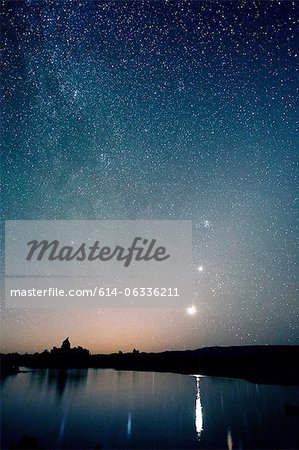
(64, 357)
(264, 364)
(66, 345)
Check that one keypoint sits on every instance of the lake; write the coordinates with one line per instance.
(103, 408)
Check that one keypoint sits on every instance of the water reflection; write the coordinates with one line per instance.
(61, 430)
(59, 379)
(229, 440)
(129, 425)
(37, 378)
(198, 409)
(88, 409)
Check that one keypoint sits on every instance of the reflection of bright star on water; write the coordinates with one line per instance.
(200, 268)
(191, 310)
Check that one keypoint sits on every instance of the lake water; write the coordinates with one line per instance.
(82, 409)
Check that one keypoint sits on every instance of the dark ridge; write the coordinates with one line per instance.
(257, 363)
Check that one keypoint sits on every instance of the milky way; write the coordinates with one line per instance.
(160, 110)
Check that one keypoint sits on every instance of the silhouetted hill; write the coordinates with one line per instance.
(267, 364)
(255, 363)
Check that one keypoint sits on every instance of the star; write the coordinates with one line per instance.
(191, 310)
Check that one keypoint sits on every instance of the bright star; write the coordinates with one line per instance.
(200, 268)
(191, 310)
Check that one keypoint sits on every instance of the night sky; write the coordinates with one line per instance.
(159, 110)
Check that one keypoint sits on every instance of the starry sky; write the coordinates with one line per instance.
(159, 110)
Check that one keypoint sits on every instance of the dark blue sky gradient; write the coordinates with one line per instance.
(160, 110)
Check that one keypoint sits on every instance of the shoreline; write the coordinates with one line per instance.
(257, 364)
